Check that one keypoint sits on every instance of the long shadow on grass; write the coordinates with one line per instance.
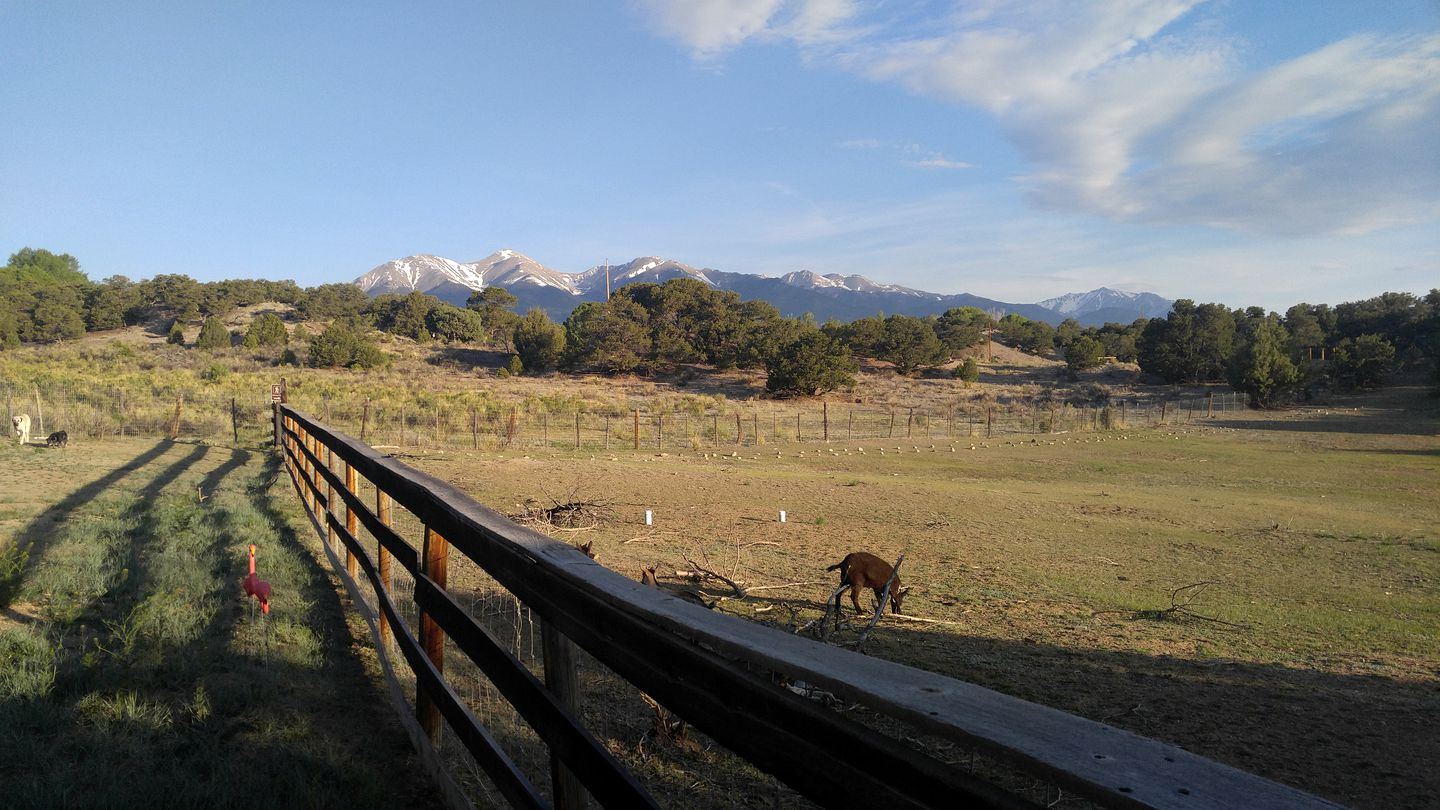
(33, 540)
(1366, 741)
(1369, 425)
(222, 713)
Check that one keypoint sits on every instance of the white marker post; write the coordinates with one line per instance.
(782, 515)
(647, 517)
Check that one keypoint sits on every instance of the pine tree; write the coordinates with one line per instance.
(213, 335)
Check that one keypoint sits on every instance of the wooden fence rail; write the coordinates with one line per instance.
(717, 672)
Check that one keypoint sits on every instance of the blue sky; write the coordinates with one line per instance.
(1249, 153)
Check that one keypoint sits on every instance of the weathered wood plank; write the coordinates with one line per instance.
(604, 776)
(379, 527)
(487, 751)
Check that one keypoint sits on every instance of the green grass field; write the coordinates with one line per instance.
(134, 671)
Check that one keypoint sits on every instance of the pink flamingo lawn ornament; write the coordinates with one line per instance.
(257, 587)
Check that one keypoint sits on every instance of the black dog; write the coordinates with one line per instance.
(58, 439)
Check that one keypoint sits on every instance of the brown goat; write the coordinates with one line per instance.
(861, 569)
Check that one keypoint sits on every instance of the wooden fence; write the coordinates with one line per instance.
(719, 673)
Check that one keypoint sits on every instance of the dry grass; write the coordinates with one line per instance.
(1049, 561)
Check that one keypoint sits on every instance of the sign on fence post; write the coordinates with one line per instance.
(277, 397)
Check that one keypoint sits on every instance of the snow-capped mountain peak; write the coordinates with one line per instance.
(1075, 305)
(422, 271)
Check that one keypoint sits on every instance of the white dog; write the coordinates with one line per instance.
(21, 424)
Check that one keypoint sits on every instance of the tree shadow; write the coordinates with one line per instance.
(210, 720)
(32, 541)
(1337, 423)
(1366, 741)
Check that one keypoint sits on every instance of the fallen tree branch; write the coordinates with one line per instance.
(784, 585)
(700, 569)
(1178, 607)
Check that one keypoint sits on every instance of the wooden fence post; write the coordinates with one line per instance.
(715, 427)
(850, 425)
(40, 413)
(910, 423)
(891, 433)
(738, 435)
(825, 420)
(607, 432)
(1209, 404)
(174, 420)
(364, 421)
(303, 462)
(329, 498)
(755, 428)
(635, 430)
(234, 420)
(351, 521)
(987, 420)
(432, 640)
(474, 430)
(561, 678)
(577, 431)
(1122, 414)
(659, 428)
(382, 511)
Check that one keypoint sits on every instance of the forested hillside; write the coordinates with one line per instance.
(649, 328)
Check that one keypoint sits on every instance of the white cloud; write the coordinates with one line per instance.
(1120, 115)
(709, 27)
(940, 162)
(915, 154)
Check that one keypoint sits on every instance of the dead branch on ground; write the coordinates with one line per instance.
(785, 585)
(1180, 600)
(574, 514)
(706, 572)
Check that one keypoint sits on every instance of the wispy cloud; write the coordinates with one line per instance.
(939, 162)
(909, 154)
(1121, 115)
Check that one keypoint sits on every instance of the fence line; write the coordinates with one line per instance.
(718, 672)
(217, 415)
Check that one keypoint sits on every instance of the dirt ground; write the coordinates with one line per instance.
(1048, 569)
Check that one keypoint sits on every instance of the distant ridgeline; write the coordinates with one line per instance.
(827, 297)
(661, 315)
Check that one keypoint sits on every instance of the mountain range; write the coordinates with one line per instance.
(841, 297)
